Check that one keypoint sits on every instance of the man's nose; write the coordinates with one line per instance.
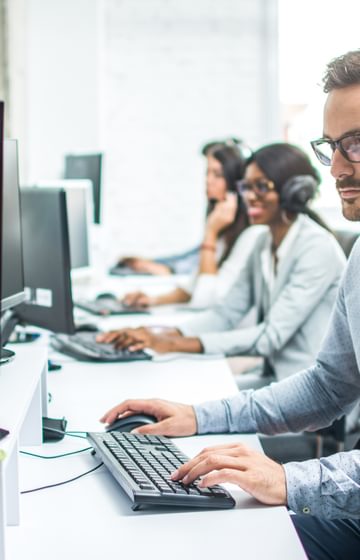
(340, 166)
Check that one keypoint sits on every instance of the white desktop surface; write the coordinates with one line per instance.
(83, 391)
(92, 517)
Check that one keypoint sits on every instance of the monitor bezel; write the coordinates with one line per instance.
(14, 299)
(96, 189)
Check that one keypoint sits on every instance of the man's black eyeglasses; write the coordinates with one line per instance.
(348, 145)
(261, 187)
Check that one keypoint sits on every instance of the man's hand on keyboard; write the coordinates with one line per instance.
(255, 473)
(174, 419)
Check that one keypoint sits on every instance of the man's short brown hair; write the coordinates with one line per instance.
(342, 71)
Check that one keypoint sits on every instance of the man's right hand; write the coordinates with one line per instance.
(174, 419)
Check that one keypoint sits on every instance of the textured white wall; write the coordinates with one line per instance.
(147, 82)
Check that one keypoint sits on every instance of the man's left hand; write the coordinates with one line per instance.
(255, 473)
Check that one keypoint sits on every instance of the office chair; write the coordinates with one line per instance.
(346, 240)
(336, 432)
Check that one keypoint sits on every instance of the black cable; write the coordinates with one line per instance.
(63, 482)
(71, 434)
(55, 456)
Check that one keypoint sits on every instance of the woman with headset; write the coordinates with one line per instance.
(290, 277)
(226, 242)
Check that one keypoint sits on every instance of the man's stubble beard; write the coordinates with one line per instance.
(351, 210)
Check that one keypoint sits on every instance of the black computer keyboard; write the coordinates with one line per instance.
(83, 346)
(108, 306)
(142, 466)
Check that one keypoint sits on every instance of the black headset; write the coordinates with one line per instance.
(297, 191)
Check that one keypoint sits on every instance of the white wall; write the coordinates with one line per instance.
(148, 82)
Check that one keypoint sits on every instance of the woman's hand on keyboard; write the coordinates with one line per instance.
(255, 473)
(173, 419)
(137, 339)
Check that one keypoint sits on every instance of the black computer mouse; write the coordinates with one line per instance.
(106, 295)
(130, 423)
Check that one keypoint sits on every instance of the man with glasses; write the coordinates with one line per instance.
(325, 493)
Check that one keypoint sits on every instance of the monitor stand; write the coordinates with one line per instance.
(8, 320)
(6, 355)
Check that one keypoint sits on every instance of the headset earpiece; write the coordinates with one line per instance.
(297, 191)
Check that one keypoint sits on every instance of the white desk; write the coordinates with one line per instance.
(92, 518)
(23, 401)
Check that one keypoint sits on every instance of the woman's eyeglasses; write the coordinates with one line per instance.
(261, 187)
(348, 145)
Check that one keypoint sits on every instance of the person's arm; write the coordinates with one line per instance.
(140, 299)
(221, 217)
(183, 263)
(308, 282)
(169, 340)
(227, 315)
(178, 295)
(209, 289)
(328, 487)
(145, 266)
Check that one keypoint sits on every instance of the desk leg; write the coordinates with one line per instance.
(2, 511)
(44, 391)
(31, 430)
(12, 488)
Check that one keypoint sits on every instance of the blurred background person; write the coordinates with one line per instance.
(227, 239)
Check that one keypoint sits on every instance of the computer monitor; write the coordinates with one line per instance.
(46, 251)
(78, 204)
(87, 166)
(77, 211)
(12, 278)
(1, 192)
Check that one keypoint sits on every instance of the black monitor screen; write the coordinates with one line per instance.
(12, 280)
(88, 166)
(46, 260)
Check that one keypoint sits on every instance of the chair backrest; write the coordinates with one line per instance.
(336, 430)
(346, 239)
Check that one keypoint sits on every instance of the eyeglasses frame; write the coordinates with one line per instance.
(334, 144)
